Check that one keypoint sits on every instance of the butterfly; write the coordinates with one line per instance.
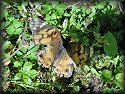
(62, 59)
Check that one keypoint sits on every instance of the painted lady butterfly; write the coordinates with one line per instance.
(63, 60)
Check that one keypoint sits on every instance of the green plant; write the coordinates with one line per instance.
(96, 27)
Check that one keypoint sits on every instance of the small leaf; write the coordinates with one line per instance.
(32, 56)
(27, 79)
(24, 49)
(17, 23)
(7, 23)
(5, 13)
(18, 76)
(65, 24)
(106, 74)
(66, 14)
(27, 66)
(33, 49)
(61, 6)
(10, 18)
(95, 72)
(18, 31)
(32, 73)
(83, 8)
(110, 45)
(47, 17)
(32, 44)
(53, 15)
(88, 11)
(17, 64)
(6, 45)
(5, 55)
(47, 7)
(18, 53)
(99, 6)
(119, 80)
(10, 29)
(76, 88)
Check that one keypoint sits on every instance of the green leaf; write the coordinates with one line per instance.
(88, 11)
(66, 14)
(115, 61)
(17, 64)
(65, 24)
(2, 25)
(106, 74)
(5, 13)
(118, 70)
(47, 17)
(99, 6)
(47, 6)
(5, 55)
(53, 16)
(17, 23)
(119, 80)
(32, 56)
(110, 45)
(61, 7)
(76, 88)
(24, 49)
(10, 29)
(7, 23)
(72, 20)
(32, 73)
(18, 53)
(18, 76)
(32, 44)
(33, 49)
(95, 72)
(83, 8)
(10, 18)
(53, 2)
(6, 45)
(75, 9)
(27, 66)
(18, 31)
(20, 7)
(27, 79)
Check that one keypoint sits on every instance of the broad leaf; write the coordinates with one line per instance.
(110, 45)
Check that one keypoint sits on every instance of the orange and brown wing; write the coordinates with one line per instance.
(78, 52)
(45, 34)
(64, 65)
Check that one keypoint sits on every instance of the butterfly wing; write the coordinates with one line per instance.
(78, 52)
(45, 34)
(64, 65)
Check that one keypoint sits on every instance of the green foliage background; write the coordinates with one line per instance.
(98, 27)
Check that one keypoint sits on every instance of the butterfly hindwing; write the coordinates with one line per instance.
(78, 52)
(64, 65)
